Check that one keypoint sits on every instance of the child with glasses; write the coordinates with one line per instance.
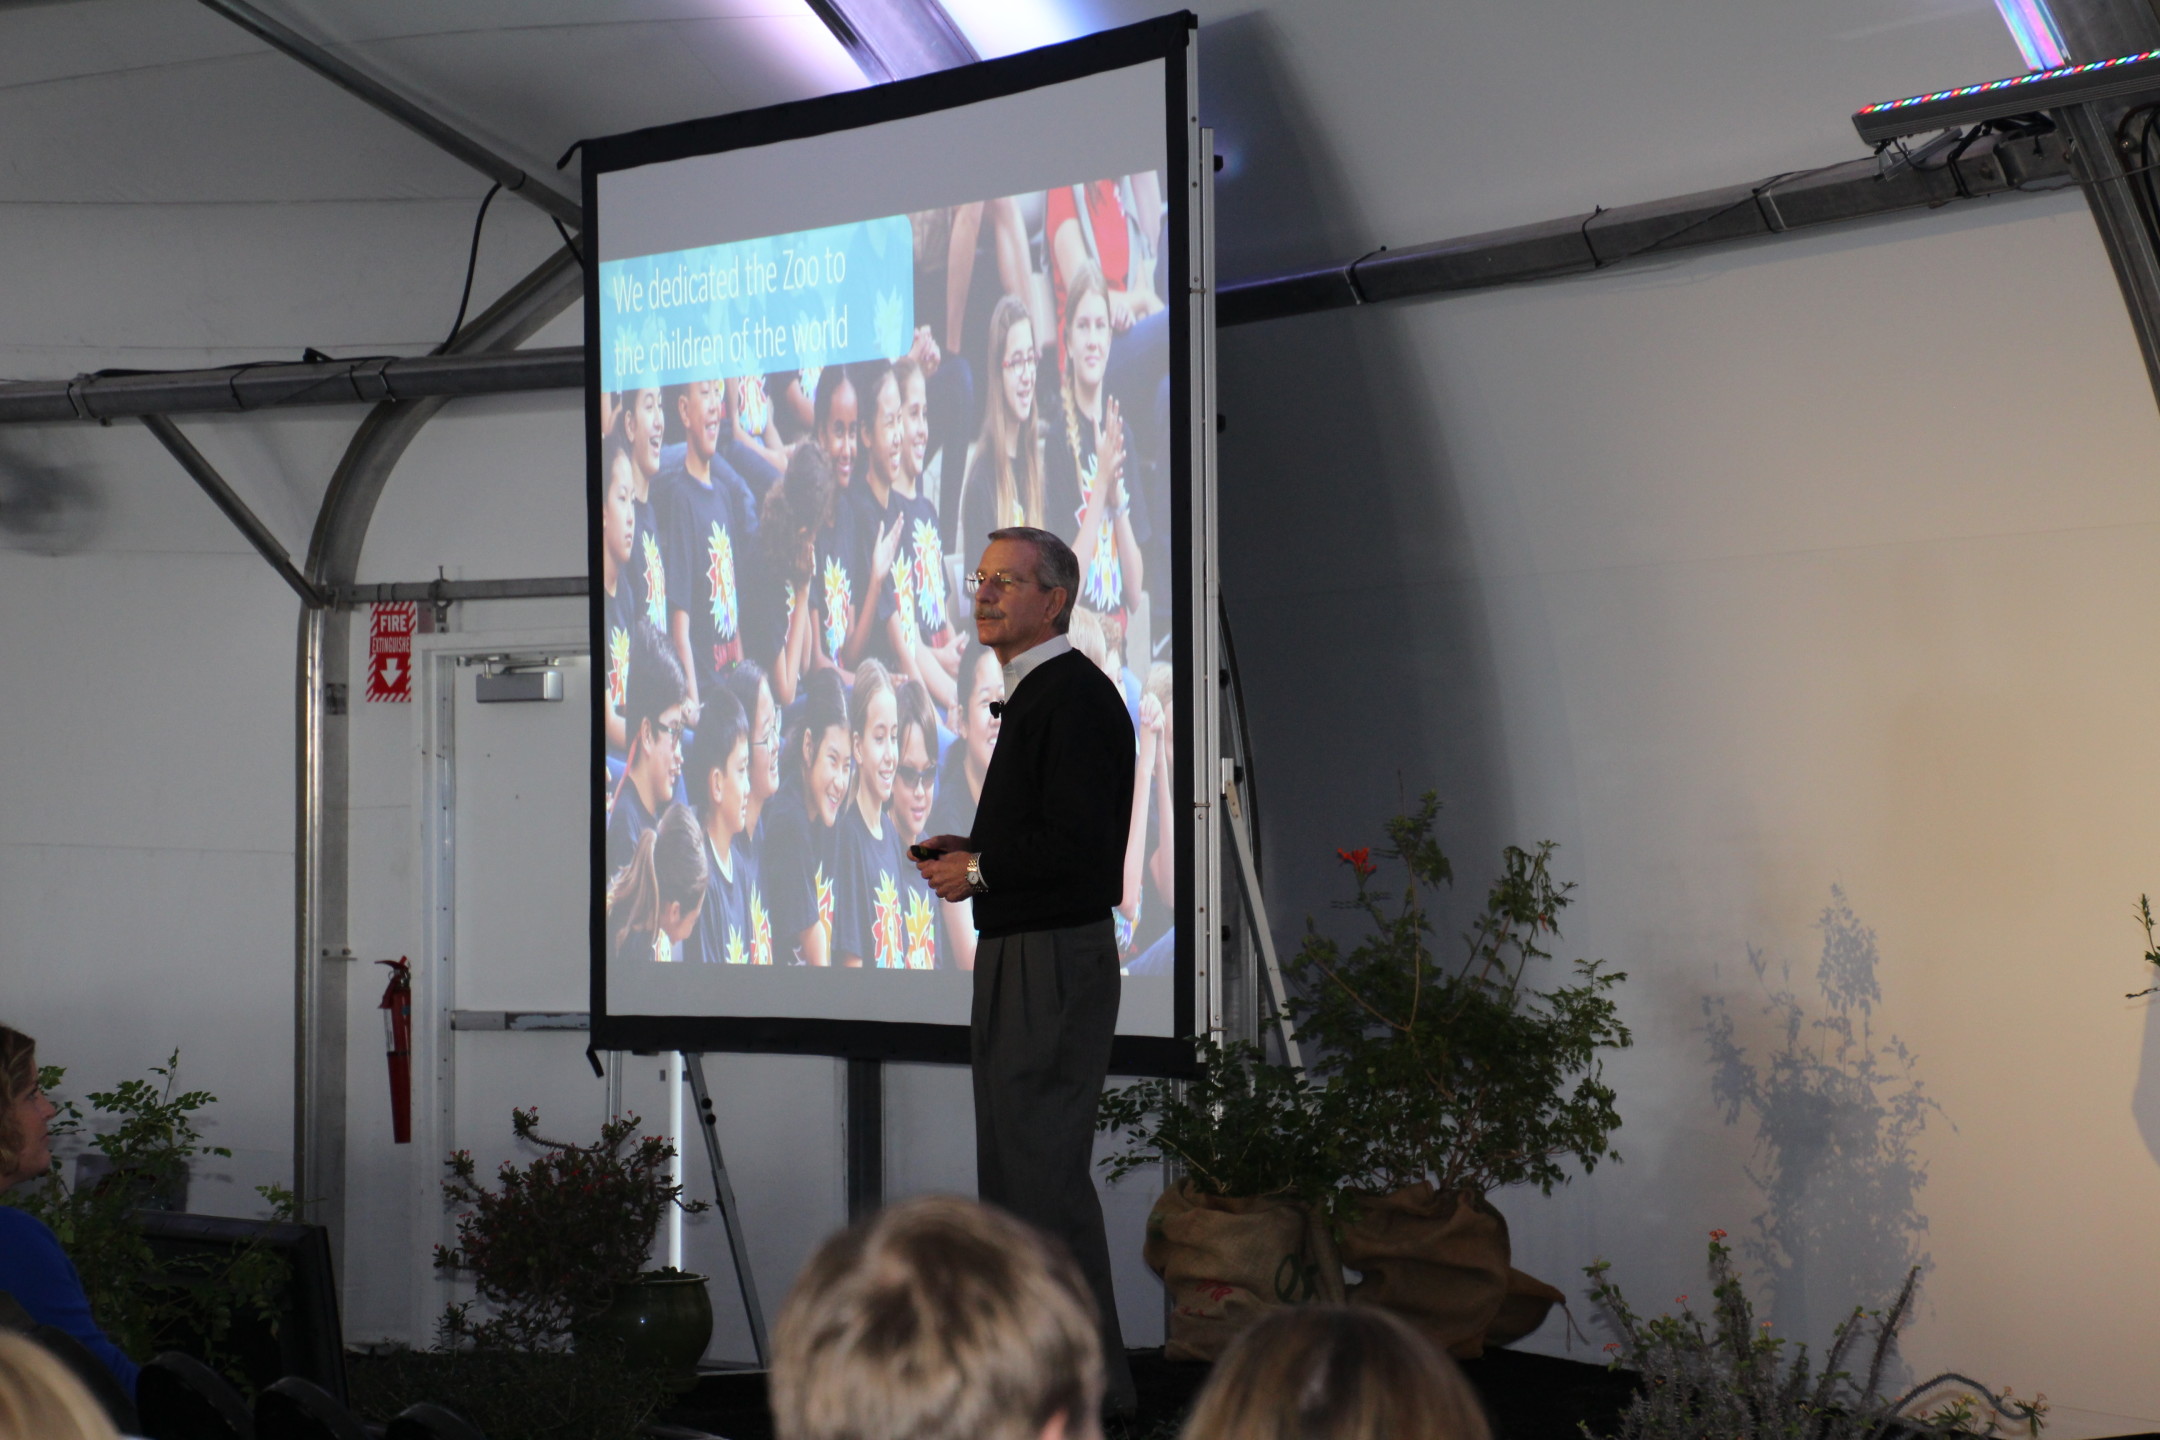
(1005, 477)
(915, 782)
(654, 696)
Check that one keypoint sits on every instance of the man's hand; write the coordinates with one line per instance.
(947, 873)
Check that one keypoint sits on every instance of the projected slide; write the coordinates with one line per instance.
(829, 368)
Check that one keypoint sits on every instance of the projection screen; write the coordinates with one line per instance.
(831, 346)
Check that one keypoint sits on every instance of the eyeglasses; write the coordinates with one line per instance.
(673, 731)
(998, 580)
(1023, 360)
(767, 739)
(913, 778)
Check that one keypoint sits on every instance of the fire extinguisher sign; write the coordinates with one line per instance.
(389, 665)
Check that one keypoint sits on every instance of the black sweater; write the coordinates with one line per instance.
(1056, 801)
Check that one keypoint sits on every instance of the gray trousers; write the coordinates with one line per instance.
(1046, 1004)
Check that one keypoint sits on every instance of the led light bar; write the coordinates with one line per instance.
(2018, 95)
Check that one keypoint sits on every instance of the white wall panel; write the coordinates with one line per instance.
(1746, 577)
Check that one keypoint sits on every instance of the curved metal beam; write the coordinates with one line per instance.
(231, 389)
(341, 525)
(322, 959)
(280, 36)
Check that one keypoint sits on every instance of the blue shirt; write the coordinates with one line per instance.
(37, 1272)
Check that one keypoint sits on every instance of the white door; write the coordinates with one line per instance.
(506, 876)
(505, 890)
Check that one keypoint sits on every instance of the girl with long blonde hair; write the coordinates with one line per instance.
(1005, 481)
(1089, 468)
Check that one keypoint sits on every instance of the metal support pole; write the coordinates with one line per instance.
(724, 1192)
(1262, 935)
(2124, 227)
(232, 389)
(545, 588)
(322, 881)
(437, 132)
(865, 1137)
(258, 534)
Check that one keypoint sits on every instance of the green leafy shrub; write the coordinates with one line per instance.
(145, 1129)
(1244, 1127)
(1730, 1379)
(1458, 1071)
(546, 1247)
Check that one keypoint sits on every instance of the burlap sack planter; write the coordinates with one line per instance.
(1527, 1302)
(1439, 1259)
(1227, 1262)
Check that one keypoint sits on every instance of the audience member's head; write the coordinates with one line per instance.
(40, 1400)
(938, 1319)
(24, 1111)
(1335, 1372)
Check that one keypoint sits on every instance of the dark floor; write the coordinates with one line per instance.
(1528, 1397)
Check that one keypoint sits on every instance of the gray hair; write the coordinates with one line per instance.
(1056, 567)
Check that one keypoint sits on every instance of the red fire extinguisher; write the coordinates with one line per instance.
(397, 1031)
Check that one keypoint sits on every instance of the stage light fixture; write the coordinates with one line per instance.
(2016, 95)
(2034, 30)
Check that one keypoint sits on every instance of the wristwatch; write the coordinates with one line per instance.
(976, 884)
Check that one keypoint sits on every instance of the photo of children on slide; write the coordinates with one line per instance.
(791, 510)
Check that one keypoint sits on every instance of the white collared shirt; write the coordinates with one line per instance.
(1022, 665)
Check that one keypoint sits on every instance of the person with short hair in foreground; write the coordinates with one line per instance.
(40, 1400)
(1335, 1372)
(938, 1319)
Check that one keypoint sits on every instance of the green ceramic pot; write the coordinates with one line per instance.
(662, 1319)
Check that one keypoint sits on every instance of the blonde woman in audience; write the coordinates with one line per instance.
(938, 1319)
(40, 1400)
(1335, 1372)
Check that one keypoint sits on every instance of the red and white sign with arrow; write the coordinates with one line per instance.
(389, 665)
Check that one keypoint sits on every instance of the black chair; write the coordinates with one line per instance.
(180, 1398)
(427, 1421)
(102, 1384)
(303, 1336)
(297, 1409)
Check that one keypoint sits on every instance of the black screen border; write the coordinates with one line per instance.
(1168, 38)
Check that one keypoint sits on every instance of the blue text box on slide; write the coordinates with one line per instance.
(831, 296)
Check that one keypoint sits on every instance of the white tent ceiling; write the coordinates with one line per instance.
(169, 184)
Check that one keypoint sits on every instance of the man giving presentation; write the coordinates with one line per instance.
(1044, 868)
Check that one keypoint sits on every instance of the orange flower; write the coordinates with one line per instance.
(1359, 860)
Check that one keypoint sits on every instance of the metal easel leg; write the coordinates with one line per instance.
(1242, 843)
(724, 1192)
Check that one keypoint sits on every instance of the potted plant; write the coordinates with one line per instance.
(143, 1139)
(1245, 1227)
(1731, 1377)
(1432, 1083)
(558, 1248)
(1445, 1079)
